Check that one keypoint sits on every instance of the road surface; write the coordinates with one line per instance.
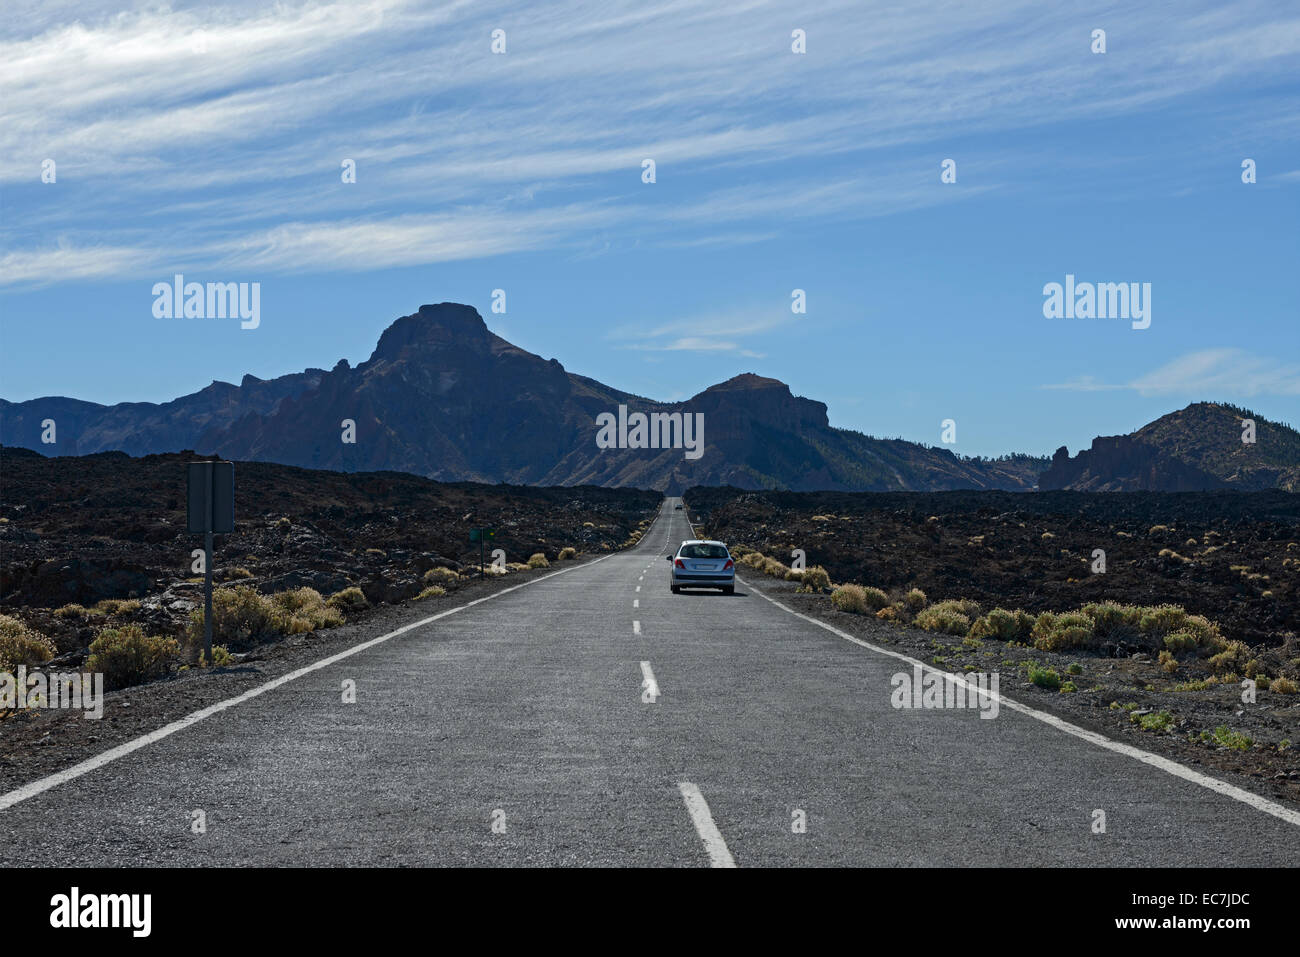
(593, 718)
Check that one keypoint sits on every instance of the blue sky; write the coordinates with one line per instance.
(208, 140)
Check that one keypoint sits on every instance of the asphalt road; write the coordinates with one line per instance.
(518, 732)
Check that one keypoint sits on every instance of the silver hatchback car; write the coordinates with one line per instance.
(702, 564)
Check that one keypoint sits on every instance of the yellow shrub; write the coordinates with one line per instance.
(306, 605)
(1003, 625)
(20, 645)
(814, 580)
(349, 599)
(118, 606)
(947, 617)
(221, 657)
(850, 598)
(127, 656)
(239, 615)
(1060, 632)
(1232, 659)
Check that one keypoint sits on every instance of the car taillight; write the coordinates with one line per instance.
(679, 564)
(728, 565)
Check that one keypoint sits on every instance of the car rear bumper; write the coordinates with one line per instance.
(703, 579)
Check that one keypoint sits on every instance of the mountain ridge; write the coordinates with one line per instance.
(443, 396)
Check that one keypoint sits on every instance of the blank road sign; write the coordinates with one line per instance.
(217, 515)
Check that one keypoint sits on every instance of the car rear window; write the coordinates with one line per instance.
(703, 551)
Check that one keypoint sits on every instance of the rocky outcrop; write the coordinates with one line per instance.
(1122, 463)
(1196, 449)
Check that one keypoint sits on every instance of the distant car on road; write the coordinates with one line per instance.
(702, 564)
(677, 507)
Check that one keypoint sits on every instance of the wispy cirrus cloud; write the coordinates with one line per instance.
(705, 333)
(239, 114)
(1224, 371)
(66, 263)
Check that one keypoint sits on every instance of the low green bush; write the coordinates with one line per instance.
(1044, 677)
(1225, 737)
(1159, 721)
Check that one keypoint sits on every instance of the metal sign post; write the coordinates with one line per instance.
(481, 535)
(207, 567)
(210, 501)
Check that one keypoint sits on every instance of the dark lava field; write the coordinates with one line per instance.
(1231, 556)
(109, 526)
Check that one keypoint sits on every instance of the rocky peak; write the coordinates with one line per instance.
(750, 396)
(433, 327)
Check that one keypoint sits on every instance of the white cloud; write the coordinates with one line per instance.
(405, 240)
(239, 114)
(1207, 372)
(70, 264)
(704, 333)
(1084, 383)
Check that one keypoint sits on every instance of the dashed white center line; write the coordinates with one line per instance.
(648, 683)
(719, 856)
(636, 602)
(636, 627)
(638, 587)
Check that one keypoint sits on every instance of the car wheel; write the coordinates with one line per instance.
(728, 589)
(675, 589)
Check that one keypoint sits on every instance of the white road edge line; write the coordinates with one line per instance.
(41, 785)
(1100, 740)
(698, 808)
